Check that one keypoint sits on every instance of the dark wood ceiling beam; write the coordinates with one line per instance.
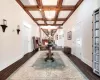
(40, 6)
(28, 8)
(76, 6)
(78, 3)
(21, 4)
(47, 29)
(50, 25)
(59, 5)
(53, 32)
(59, 19)
(36, 8)
(44, 32)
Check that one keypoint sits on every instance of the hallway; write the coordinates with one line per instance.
(37, 69)
(65, 33)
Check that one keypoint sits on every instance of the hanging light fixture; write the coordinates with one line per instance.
(4, 25)
(18, 29)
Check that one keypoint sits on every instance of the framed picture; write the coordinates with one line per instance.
(69, 35)
(56, 37)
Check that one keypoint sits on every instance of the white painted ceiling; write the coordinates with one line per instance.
(50, 14)
(59, 22)
(36, 14)
(70, 2)
(50, 22)
(29, 2)
(40, 22)
(63, 14)
(49, 2)
(49, 27)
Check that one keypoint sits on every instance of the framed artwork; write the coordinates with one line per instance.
(69, 35)
(56, 37)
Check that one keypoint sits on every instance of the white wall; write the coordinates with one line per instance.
(83, 18)
(98, 3)
(60, 41)
(11, 43)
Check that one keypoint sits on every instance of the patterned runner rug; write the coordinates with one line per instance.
(57, 64)
(37, 69)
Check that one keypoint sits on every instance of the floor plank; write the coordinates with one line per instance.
(88, 71)
(4, 74)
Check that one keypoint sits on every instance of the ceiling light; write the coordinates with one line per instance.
(40, 9)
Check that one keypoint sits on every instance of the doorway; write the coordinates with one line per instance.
(77, 41)
(26, 33)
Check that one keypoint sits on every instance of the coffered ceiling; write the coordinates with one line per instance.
(49, 12)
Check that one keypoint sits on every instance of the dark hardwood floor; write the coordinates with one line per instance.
(83, 67)
(4, 74)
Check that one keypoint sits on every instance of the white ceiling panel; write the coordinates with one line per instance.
(50, 22)
(70, 2)
(49, 27)
(63, 14)
(40, 22)
(29, 2)
(59, 22)
(50, 14)
(49, 2)
(36, 14)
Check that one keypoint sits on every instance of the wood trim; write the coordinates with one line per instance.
(4, 74)
(50, 25)
(36, 8)
(40, 5)
(59, 5)
(44, 31)
(59, 19)
(20, 3)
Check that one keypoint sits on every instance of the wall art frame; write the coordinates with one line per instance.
(69, 35)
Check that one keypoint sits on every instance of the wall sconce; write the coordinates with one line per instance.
(18, 29)
(4, 25)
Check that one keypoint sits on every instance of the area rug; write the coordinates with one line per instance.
(42, 64)
(36, 69)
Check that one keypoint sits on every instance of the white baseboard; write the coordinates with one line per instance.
(4, 65)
